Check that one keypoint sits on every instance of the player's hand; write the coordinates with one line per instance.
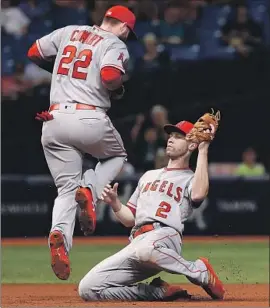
(109, 194)
(203, 146)
(118, 93)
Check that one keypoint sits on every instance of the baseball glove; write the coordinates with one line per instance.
(205, 128)
(44, 116)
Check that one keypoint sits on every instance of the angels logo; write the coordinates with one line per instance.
(121, 57)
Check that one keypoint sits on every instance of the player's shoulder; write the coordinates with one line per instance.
(153, 172)
(112, 41)
(71, 28)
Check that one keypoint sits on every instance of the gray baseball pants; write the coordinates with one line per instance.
(115, 278)
(65, 140)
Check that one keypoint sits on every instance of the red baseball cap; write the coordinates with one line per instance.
(123, 14)
(183, 127)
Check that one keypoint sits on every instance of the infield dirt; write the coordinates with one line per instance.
(64, 295)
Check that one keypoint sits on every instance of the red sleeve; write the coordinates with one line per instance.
(111, 77)
(35, 56)
(33, 53)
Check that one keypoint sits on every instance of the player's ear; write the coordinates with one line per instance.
(123, 26)
(192, 146)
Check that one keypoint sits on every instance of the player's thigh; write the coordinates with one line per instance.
(91, 128)
(111, 144)
(120, 269)
(163, 237)
(64, 162)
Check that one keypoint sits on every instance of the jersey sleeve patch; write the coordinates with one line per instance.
(132, 205)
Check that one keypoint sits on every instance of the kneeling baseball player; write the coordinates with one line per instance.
(157, 210)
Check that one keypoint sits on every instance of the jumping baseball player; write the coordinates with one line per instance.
(87, 65)
(157, 210)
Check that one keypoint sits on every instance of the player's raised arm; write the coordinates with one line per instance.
(44, 50)
(124, 213)
(200, 183)
(202, 133)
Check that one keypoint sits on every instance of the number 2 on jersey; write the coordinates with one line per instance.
(83, 60)
(164, 207)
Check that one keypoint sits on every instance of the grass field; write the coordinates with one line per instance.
(235, 262)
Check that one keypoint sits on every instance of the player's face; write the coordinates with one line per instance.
(177, 146)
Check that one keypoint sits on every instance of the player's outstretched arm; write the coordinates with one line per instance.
(200, 183)
(122, 212)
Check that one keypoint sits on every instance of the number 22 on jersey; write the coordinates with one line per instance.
(163, 208)
(83, 60)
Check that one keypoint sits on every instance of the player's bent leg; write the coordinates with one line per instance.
(91, 187)
(115, 278)
(153, 291)
(107, 170)
(87, 216)
(110, 152)
(199, 272)
(164, 252)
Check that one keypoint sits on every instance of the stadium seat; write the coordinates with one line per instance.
(214, 16)
(65, 16)
(211, 47)
(42, 7)
(185, 53)
(7, 60)
(40, 27)
(136, 49)
(142, 28)
(9, 46)
(258, 13)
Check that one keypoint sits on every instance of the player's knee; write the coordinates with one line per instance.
(144, 253)
(67, 185)
(86, 292)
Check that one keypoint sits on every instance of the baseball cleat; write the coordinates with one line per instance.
(214, 288)
(59, 256)
(87, 217)
(171, 292)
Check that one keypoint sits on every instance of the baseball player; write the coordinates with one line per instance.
(157, 210)
(87, 65)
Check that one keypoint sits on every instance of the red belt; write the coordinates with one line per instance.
(146, 228)
(78, 107)
(143, 229)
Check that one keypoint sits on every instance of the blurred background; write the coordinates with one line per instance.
(191, 56)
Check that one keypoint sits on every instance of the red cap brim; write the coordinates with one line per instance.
(169, 128)
(132, 35)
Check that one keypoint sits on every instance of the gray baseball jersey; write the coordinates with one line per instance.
(81, 52)
(163, 195)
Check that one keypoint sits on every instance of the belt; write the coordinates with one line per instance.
(143, 229)
(147, 228)
(78, 107)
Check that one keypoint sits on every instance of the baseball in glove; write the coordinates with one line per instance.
(205, 128)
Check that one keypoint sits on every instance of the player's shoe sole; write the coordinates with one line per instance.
(214, 288)
(172, 292)
(59, 257)
(87, 217)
